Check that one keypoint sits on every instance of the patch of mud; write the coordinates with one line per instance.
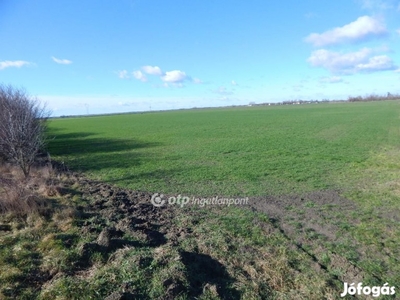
(116, 214)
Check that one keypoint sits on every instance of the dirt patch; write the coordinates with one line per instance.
(317, 223)
(320, 211)
(121, 218)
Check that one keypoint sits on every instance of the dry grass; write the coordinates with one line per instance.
(21, 196)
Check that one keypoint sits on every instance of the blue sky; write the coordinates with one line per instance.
(106, 56)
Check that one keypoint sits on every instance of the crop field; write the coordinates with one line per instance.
(323, 182)
(251, 151)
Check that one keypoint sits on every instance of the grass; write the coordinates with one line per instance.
(258, 151)
(236, 151)
(254, 264)
(296, 154)
(213, 253)
(29, 255)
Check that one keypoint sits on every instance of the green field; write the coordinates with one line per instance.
(238, 151)
(298, 152)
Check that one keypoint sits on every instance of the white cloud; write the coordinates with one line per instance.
(363, 28)
(123, 74)
(353, 62)
(61, 61)
(152, 70)
(174, 76)
(398, 30)
(16, 64)
(377, 63)
(335, 61)
(233, 82)
(139, 76)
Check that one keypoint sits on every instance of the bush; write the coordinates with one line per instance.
(22, 127)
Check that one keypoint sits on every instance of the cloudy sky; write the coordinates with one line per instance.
(99, 56)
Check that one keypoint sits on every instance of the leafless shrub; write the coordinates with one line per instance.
(22, 127)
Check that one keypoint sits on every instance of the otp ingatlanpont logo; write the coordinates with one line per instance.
(157, 200)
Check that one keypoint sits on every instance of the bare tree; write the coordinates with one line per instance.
(22, 127)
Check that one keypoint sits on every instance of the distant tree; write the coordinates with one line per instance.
(22, 127)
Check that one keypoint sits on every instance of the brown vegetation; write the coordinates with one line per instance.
(21, 196)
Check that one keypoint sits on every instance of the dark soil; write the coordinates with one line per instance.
(114, 212)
